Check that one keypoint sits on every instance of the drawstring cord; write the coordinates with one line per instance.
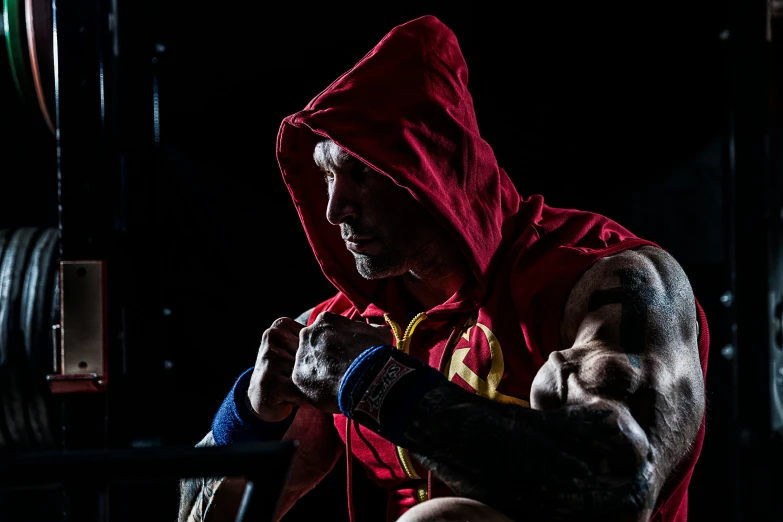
(451, 342)
(349, 468)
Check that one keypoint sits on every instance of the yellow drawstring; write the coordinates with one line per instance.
(403, 340)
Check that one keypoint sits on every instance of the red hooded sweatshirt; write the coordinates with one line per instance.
(405, 110)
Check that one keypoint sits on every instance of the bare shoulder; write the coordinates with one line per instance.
(650, 285)
(656, 266)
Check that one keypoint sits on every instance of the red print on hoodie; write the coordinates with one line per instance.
(405, 110)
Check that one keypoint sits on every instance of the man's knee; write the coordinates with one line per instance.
(452, 509)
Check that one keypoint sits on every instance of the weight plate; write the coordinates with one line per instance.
(12, 271)
(13, 369)
(7, 425)
(52, 350)
(41, 355)
(16, 43)
(33, 300)
(15, 406)
(5, 288)
(4, 236)
(35, 297)
(27, 298)
(26, 309)
(24, 376)
(40, 43)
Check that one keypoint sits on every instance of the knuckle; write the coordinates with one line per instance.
(266, 355)
(273, 337)
(296, 379)
(326, 317)
(314, 334)
(304, 333)
(264, 338)
(278, 323)
(262, 349)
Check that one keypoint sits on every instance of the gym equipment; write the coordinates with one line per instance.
(30, 45)
(28, 309)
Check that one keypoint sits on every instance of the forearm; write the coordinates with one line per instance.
(518, 460)
(476, 446)
(198, 496)
(217, 499)
(515, 458)
(582, 461)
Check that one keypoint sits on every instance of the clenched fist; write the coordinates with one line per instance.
(272, 394)
(326, 350)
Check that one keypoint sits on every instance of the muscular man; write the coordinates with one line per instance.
(485, 356)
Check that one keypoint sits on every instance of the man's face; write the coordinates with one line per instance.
(388, 232)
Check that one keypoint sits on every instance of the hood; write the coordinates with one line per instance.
(405, 110)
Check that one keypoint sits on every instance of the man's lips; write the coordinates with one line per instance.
(358, 243)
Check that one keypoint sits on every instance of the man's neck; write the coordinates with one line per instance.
(430, 290)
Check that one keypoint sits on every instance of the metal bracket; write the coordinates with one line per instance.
(82, 347)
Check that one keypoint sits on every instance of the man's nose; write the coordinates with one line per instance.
(343, 203)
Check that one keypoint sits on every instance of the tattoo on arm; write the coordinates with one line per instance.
(518, 460)
(589, 458)
(197, 494)
(202, 493)
(452, 436)
(606, 296)
(639, 299)
(654, 328)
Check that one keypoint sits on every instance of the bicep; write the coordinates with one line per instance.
(630, 333)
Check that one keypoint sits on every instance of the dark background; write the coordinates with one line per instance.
(625, 109)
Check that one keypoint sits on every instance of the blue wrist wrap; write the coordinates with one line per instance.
(382, 386)
(234, 422)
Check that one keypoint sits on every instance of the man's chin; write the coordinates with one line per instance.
(370, 269)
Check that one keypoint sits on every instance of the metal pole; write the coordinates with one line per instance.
(757, 264)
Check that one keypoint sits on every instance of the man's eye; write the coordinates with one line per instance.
(359, 170)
